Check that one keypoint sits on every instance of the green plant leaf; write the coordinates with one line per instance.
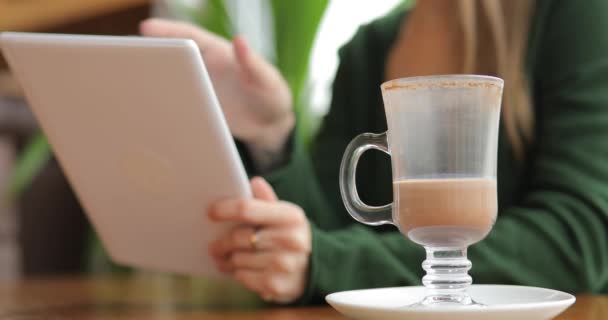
(296, 24)
(213, 17)
(32, 159)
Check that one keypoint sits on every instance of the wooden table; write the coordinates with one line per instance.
(35, 15)
(113, 17)
(115, 298)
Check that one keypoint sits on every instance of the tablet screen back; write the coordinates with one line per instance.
(138, 130)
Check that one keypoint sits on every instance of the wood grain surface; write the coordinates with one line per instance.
(125, 298)
(34, 15)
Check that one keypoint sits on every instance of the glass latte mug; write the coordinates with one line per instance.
(442, 138)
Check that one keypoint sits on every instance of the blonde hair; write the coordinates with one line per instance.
(495, 36)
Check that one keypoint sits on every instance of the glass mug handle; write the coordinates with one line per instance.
(358, 210)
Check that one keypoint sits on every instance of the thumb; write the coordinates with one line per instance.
(251, 64)
(262, 190)
(163, 28)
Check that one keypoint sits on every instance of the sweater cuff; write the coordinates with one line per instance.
(293, 154)
(286, 158)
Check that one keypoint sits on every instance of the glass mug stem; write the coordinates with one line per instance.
(447, 277)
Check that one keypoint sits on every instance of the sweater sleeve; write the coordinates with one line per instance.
(557, 234)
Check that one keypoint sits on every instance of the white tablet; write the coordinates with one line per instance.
(139, 132)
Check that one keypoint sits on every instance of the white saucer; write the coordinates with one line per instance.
(501, 302)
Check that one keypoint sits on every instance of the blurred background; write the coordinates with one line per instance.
(42, 228)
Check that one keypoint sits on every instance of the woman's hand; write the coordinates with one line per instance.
(269, 251)
(255, 97)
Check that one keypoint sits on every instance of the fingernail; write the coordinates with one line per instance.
(144, 26)
(212, 212)
(219, 214)
(257, 180)
(215, 216)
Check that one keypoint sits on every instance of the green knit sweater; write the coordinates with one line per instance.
(552, 226)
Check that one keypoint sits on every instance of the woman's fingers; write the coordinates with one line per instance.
(266, 239)
(282, 239)
(262, 190)
(256, 212)
(250, 64)
(270, 287)
(239, 238)
(155, 27)
(222, 264)
(273, 261)
(249, 278)
(269, 252)
(250, 260)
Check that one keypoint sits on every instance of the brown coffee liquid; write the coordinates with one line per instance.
(445, 212)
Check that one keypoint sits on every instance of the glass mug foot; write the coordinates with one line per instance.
(446, 279)
(446, 300)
